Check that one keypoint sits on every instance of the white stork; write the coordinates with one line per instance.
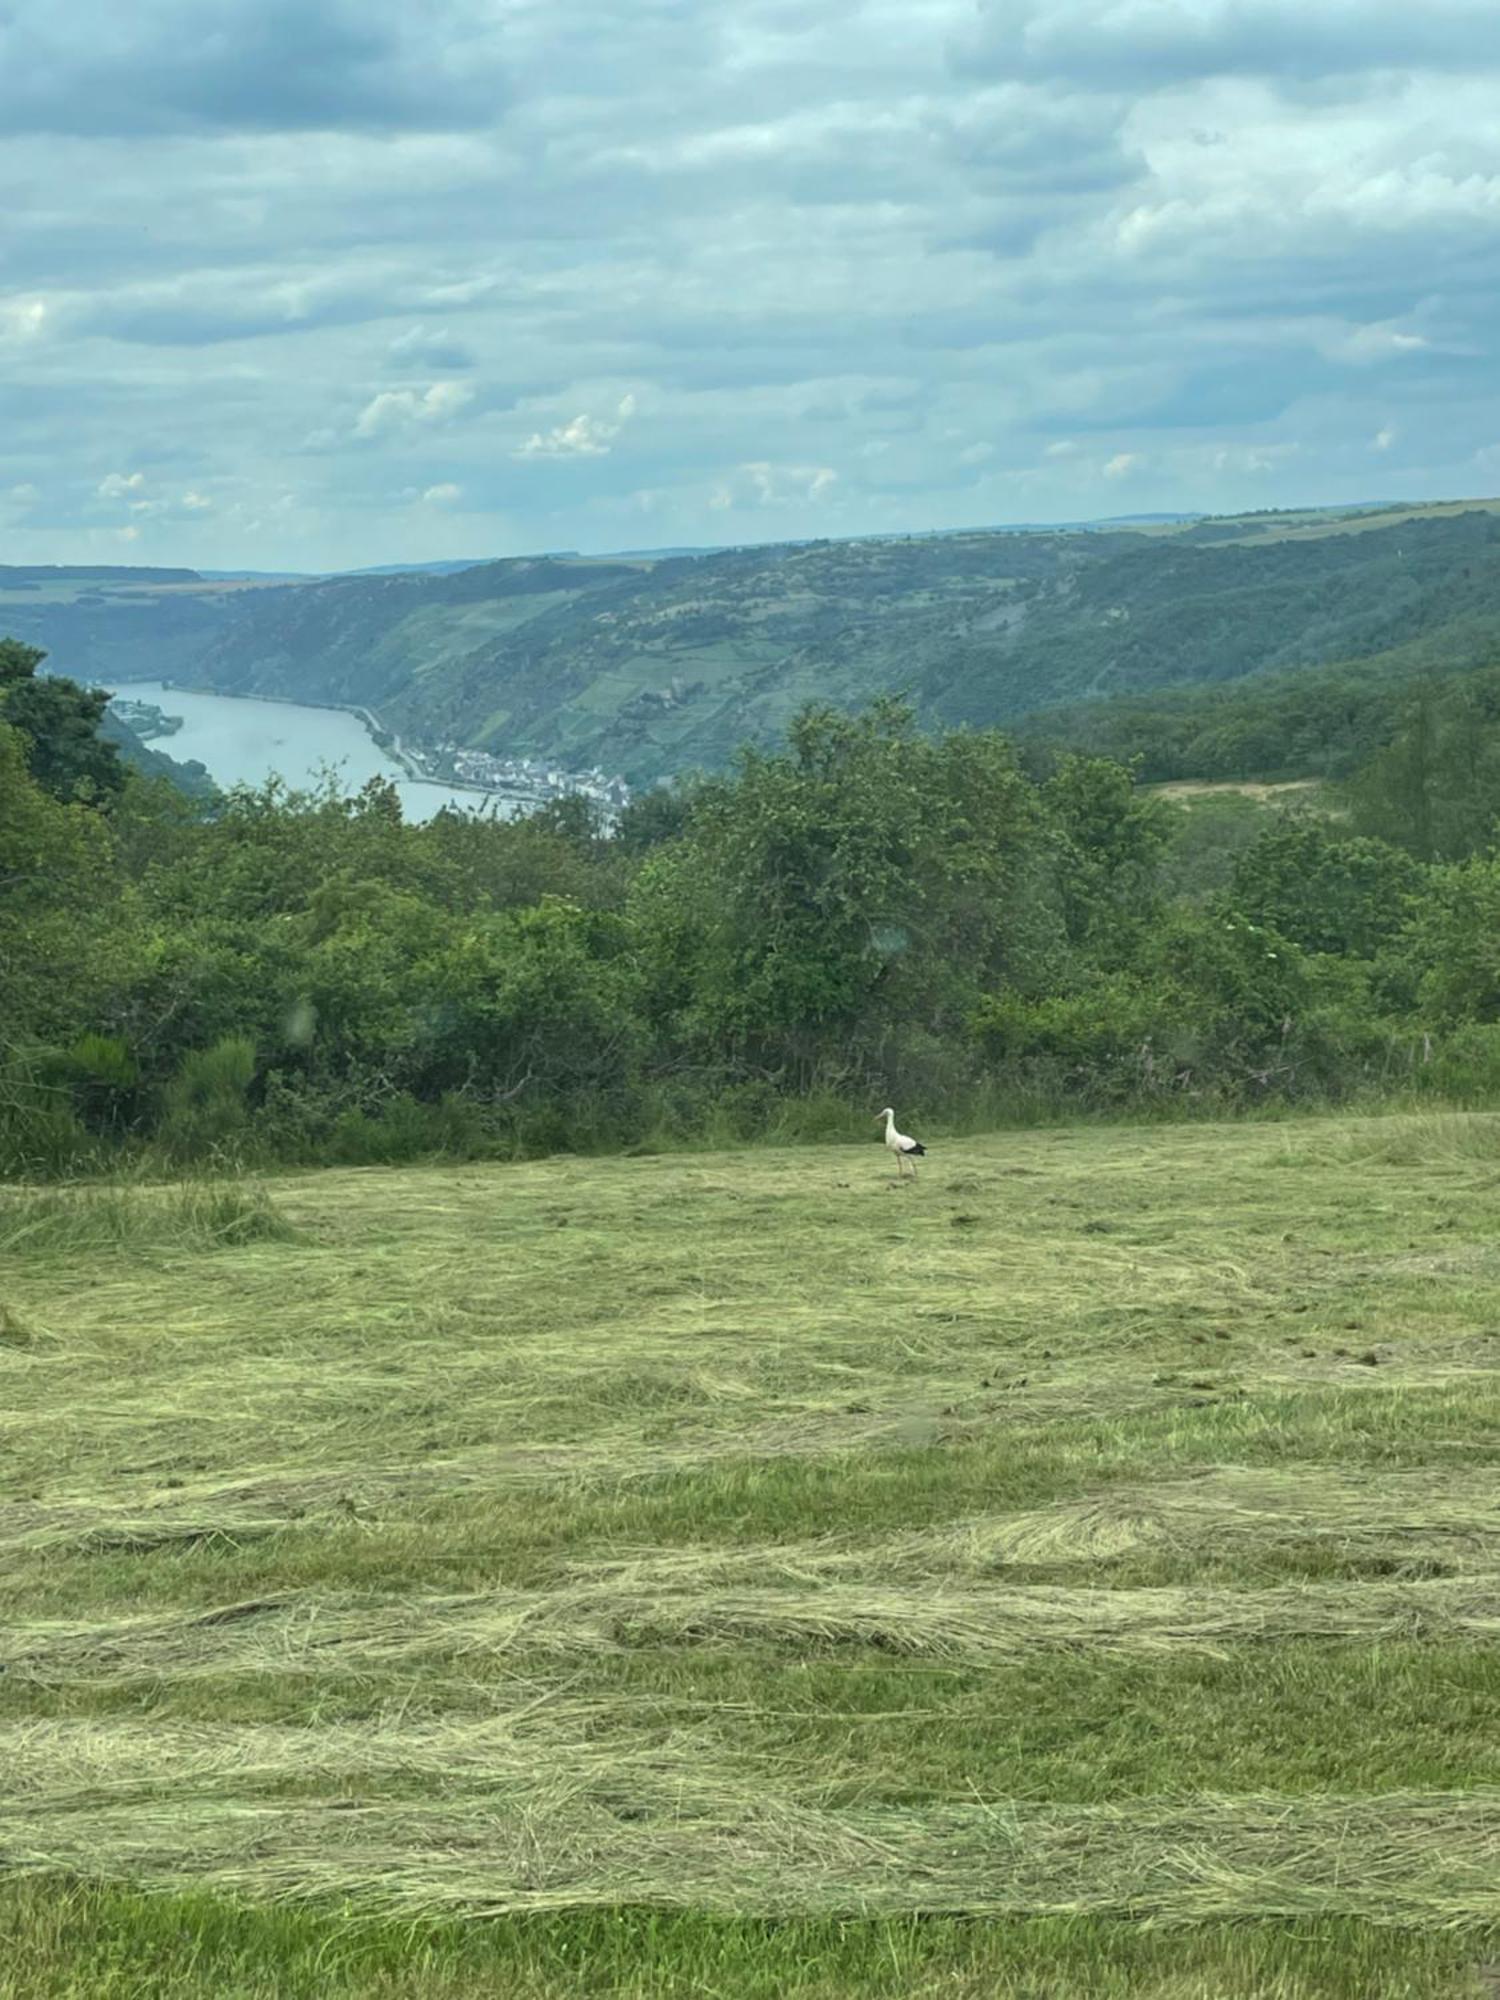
(907, 1150)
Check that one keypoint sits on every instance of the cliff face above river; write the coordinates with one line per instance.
(648, 665)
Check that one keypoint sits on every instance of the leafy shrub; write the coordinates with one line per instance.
(103, 1078)
(206, 1109)
(1459, 1067)
(404, 1130)
(41, 1137)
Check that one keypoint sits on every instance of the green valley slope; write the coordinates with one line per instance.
(654, 665)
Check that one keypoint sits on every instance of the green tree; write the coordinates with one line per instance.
(1452, 947)
(1326, 891)
(60, 722)
(1111, 839)
(866, 876)
(1434, 789)
(59, 920)
(654, 817)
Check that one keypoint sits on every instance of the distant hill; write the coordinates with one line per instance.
(102, 625)
(259, 575)
(25, 574)
(49, 576)
(655, 663)
(418, 569)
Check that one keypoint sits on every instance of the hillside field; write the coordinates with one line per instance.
(1077, 1573)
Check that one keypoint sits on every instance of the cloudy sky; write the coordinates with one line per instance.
(320, 283)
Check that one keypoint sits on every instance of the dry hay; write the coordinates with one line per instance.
(1368, 1512)
(482, 1819)
(304, 1633)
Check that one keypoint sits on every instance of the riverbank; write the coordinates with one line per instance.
(148, 721)
(250, 738)
(383, 736)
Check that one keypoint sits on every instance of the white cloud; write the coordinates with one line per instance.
(759, 483)
(1123, 464)
(976, 454)
(25, 495)
(431, 347)
(396, 409)
(1252, 457)
(582, 437)
(1063, 448)
(1383, 438)
(131, 489)
(22, 319)
(444, 495)
(1364, 344)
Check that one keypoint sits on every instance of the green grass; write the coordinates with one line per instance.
(1078, 1572)
(115, 1946)
(49, 1223)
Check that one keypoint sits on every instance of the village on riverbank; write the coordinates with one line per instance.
(513, 783)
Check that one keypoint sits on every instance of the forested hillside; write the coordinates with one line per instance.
(654, 666)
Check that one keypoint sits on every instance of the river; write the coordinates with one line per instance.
(243, 740)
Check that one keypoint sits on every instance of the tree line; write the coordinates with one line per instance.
(868, 914)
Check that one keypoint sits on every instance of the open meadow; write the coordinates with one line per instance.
(1076, 1573)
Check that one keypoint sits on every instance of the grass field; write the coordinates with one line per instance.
(1078, 1573)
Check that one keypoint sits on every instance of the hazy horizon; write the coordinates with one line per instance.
(916, 533)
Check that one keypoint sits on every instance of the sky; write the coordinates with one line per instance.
(315, 284)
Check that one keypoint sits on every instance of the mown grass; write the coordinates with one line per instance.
(736, 1573)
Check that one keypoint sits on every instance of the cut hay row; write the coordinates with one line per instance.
(519, 1840)
(1447, 1514)
(310, 1634)
(348, 1441)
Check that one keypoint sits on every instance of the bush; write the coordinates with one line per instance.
(1461, 1067)
(404, 1130)
(41, 1137)
(206, 1111)
(103, 1079)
